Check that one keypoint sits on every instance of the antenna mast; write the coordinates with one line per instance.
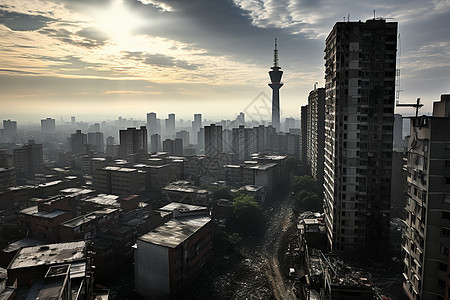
(275, 55)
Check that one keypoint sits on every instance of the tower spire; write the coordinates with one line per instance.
(275, 55)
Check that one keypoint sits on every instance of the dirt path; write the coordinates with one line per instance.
(280, 223)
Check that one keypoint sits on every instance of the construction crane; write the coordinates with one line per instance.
(417, 105)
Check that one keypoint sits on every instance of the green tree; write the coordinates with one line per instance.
(247, 215)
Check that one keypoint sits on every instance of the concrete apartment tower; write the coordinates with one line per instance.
(316, 133)
(360, 65)
(427, 235)
(275, 85)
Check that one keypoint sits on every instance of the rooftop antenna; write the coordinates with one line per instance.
(374, 14)
(315, 85)
(348, 17)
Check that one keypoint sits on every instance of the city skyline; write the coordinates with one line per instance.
(63, 58)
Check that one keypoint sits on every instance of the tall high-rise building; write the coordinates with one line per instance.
(155, 143)
(97, 141)
(196, 125)
(316, 133)
(132, 141)
(275, 85)
(78, 142)
(28, 160)
(360, 67)
(304, 133)
(240, 119)
(244, 143)
(213, 140)
(9, 131)
(426, 244)
(184, 136)
(201, 138)
(48, 125)
(152, 124)
(289, 123)
(170, 126)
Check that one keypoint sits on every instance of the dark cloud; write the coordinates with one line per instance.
(23, 22)
(87, 37)
(17, 72)
(160, 60)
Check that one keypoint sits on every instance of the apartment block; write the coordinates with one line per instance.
(360, 67)
(427, 236)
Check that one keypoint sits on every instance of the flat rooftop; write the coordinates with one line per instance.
(175, 231)
(49, 254)
(182, 207)
(33, 211)
(105, 199)
(75, 222)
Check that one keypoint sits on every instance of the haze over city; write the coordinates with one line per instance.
(104, 59)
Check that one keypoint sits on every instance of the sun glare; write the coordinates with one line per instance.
(118, 21)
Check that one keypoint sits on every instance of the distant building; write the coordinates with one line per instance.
(288, 124)
(94, 127)
(173, 147)
(96, 140)
(213, 140)
(244, 143)
(399, 142)
(133, 141)
(155, 143)
(315, 141)
(28, 160)
(7, 177)
(152, 124)
(201, 138)
(109, 140)
(170, 126)
(169, 257)
(78, 142)
(119, 181)
(48, 125)
(196, 125)
(184, 136)
(304, 134)
(425, 247)
(9, 131)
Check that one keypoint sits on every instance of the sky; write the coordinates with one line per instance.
(110, 58)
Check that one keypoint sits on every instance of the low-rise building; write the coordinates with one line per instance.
(171, 256)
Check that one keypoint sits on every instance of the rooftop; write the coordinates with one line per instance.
(33, 211)
(182, 207)
(75, 222)
(175, 231)
(49, 254)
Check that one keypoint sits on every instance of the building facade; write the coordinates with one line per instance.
(360, 67)
(427, 236)
(133, 141)
(316, 133)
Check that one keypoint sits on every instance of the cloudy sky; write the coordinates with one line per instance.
(113, 58)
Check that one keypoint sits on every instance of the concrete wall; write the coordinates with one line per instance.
(152, 270)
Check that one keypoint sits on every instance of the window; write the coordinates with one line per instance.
(442, 267)
(446, 215)
(445, 232)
